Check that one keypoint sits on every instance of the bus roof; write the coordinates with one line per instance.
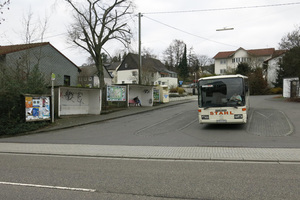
(223, 76)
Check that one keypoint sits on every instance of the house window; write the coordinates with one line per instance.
(134, 73)
(222, 71)
(134, 82)
(223, 61)
(244, 59)
(67, 80)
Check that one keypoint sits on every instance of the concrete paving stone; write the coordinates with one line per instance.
(149, 152)
(269, 122)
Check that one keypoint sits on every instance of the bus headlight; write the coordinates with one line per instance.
(204, 116)
(238, 116)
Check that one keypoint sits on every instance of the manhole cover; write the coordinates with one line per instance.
(269, 122)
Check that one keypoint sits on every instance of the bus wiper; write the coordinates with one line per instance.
(206, 107)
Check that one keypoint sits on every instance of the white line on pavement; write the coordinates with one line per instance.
(48, 186)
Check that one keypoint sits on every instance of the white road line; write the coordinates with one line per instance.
(48, 186)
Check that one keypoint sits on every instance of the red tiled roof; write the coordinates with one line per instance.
(19, 47)
(224, 54)
(278, 53)
(261, 52)
(254, 52)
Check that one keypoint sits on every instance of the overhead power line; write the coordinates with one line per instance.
(223, 9)
(188, 32)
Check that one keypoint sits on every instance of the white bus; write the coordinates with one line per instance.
(223, 99)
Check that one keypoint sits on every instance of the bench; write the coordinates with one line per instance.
(132, 102)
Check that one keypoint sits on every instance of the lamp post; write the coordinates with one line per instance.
(225, 29)
(194, 92)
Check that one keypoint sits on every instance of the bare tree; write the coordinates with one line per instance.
(4, 4)
(34, 29)
(97, 23)
(174, 53)
(148, 53)
(291, 40)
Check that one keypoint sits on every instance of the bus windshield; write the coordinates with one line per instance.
(223, 92)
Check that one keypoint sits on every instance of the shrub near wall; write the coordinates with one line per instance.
(13, 84)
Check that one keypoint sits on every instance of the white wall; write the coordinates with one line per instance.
(126, 76)
(287, 86)
(272, 71)
(169, 81)
(75, 101)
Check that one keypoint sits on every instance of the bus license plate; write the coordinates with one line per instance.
(222, 121)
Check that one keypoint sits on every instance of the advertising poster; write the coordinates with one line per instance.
(116, 93)
(37, 108)
(156, 95)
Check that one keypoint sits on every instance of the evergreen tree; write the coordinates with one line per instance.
(243, 69)
(183, 66)
(289, 67)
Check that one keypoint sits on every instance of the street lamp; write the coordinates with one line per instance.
(225, 29)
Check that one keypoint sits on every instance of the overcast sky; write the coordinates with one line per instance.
(257, 24)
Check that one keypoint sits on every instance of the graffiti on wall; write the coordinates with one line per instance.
(72, 97)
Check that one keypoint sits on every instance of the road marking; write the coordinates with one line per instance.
(48, 186)
(187, 125)
(155, 124)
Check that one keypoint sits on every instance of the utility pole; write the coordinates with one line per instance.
(140, 51)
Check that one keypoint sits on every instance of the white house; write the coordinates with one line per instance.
(153, 72)
(229, 60)
(272, 65)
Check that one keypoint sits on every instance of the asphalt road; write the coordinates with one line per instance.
(272, 123)
(54, 177)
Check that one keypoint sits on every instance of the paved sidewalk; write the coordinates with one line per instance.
(153, 152)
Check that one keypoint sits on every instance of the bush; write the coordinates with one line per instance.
(11, 127)
(178, 90)
(173, 90)
(15, 82)
(276, 90)
(258, 85)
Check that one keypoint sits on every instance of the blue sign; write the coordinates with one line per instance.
(180, 82)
